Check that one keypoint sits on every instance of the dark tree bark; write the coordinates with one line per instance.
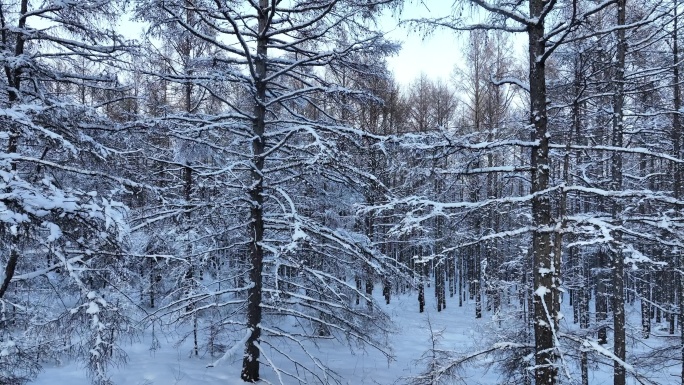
(645, 293)
(421, 296)
(616, 171)
(357, 281)
(677, 152)
(250, 363)
(601, 302)
(386, 290)
(545, 272)
(461, 278)
(477, 277)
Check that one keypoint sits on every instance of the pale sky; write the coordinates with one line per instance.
(435, 54)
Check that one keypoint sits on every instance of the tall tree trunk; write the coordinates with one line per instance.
(644, 279)
(493, 255)
(421, 292)
(677, 152)
(371, 234)
(250, 363)
(544, 270)
(601, 302)
(186, 51)
(645, 293)
(584, 367)
(461, 278)
(357, 281)
(477, 278)
(616, 172)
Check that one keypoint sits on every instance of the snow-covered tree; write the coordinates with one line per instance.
(280, 170)
(62, 227)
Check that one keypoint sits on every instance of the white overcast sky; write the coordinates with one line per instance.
(435, 54)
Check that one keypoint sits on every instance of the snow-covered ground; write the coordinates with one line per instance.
(172, 364)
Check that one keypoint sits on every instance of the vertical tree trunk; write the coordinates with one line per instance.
(357, 281)
(544, 270)
(671, 296)
(369, 287)
(461, 277)
(584, 367)
(370, 233)
(186, 51)
(677, 150)
(438, 283)
(657, 298)
(477, 278)
(616, 171)
(601, 302)
(562, 212)
(421, 295)
(250, 363)
(452, 276)
(494, 278)
(644, 278)
(152, 275)
(386, 290)
(645, 294)
(476, 257)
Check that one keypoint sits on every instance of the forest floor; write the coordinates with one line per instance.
(173, 364)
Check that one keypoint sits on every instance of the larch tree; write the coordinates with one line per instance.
(62, 224)
(545, 267)
(282, 131)
(547, 26)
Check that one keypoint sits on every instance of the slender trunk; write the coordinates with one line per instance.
(616, 171)
(438, 282)
(461, 276)
(153, 283)
(584, 367)
(677, 149)
(671, 300)
(657, 297)
(14, 73)
(493, 255)
(477, 280)
(562, 212)
(187, 189)
(369, 287)
(370, 232)
(194, 334)
(544, 270)
(585, 295)
(250, 363)
(601, 302)
(357, 281)
(421, 295)
(11, 266)
(644, 292)
(452, 276)
(476, 257)
(644, 279)
(386, 290)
